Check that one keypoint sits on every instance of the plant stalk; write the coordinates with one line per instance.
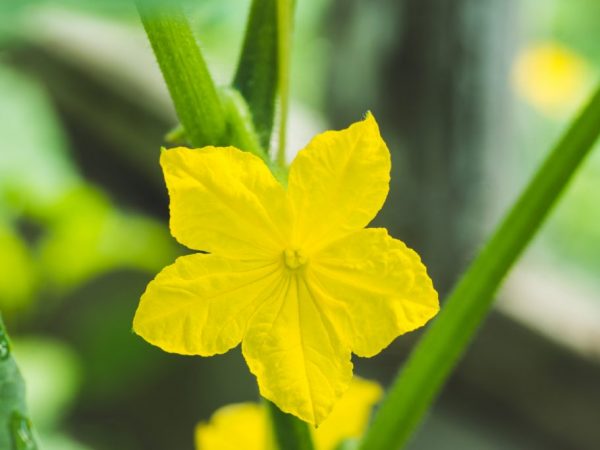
(185, 72)
(289, 432)
(284, 32)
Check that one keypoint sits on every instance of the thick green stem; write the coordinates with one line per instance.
(445, 341)
(191, 87)
(289, 432)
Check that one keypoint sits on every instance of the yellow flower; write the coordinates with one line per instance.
(246, 425)
(551, 77)
(291, 272)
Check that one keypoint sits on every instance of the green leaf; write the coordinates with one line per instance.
(445, 341)
(190, 84)
(256, 76)
(15, 427)
(17, 266)
(290, 433)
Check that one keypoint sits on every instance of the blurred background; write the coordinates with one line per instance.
(470, 94)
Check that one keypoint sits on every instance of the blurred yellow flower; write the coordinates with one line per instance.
(246, 425)
(291, 272)
(551, 77)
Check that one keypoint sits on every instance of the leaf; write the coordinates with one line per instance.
(15, 428)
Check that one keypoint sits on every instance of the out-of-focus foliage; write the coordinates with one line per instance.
(85, 219)
(17, 266)
(52, 371)
(557, 65)
(53, 376)
(58, 230)
(35, 169)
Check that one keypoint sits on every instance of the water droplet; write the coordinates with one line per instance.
(22, 432)
(4, 345)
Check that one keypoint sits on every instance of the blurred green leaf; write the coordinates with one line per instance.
(35, 168)
(578, 216)
(60, 441)
(19, 278)
(574, 21)
(88, 236)
(15, 428)
(52, 373)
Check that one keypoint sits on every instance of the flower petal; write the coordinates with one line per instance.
(338, 183)
(374, 288)
(224, 201)
(234, 427)
(200, 304)
(350, 416)
(247, 425)
(295, 353)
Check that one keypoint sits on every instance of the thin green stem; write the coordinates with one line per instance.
(257, 72)
(446, 340)
(284, 32)
(289, 432)
(191, 87)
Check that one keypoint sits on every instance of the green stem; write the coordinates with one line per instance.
(191, 87)
(256, 76)
(289, 432)
(284, 36)
(446, 340)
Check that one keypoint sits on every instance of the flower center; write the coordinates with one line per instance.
(294, 258)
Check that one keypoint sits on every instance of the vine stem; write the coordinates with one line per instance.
(284, 34)
(289, 432)
(185, 72)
